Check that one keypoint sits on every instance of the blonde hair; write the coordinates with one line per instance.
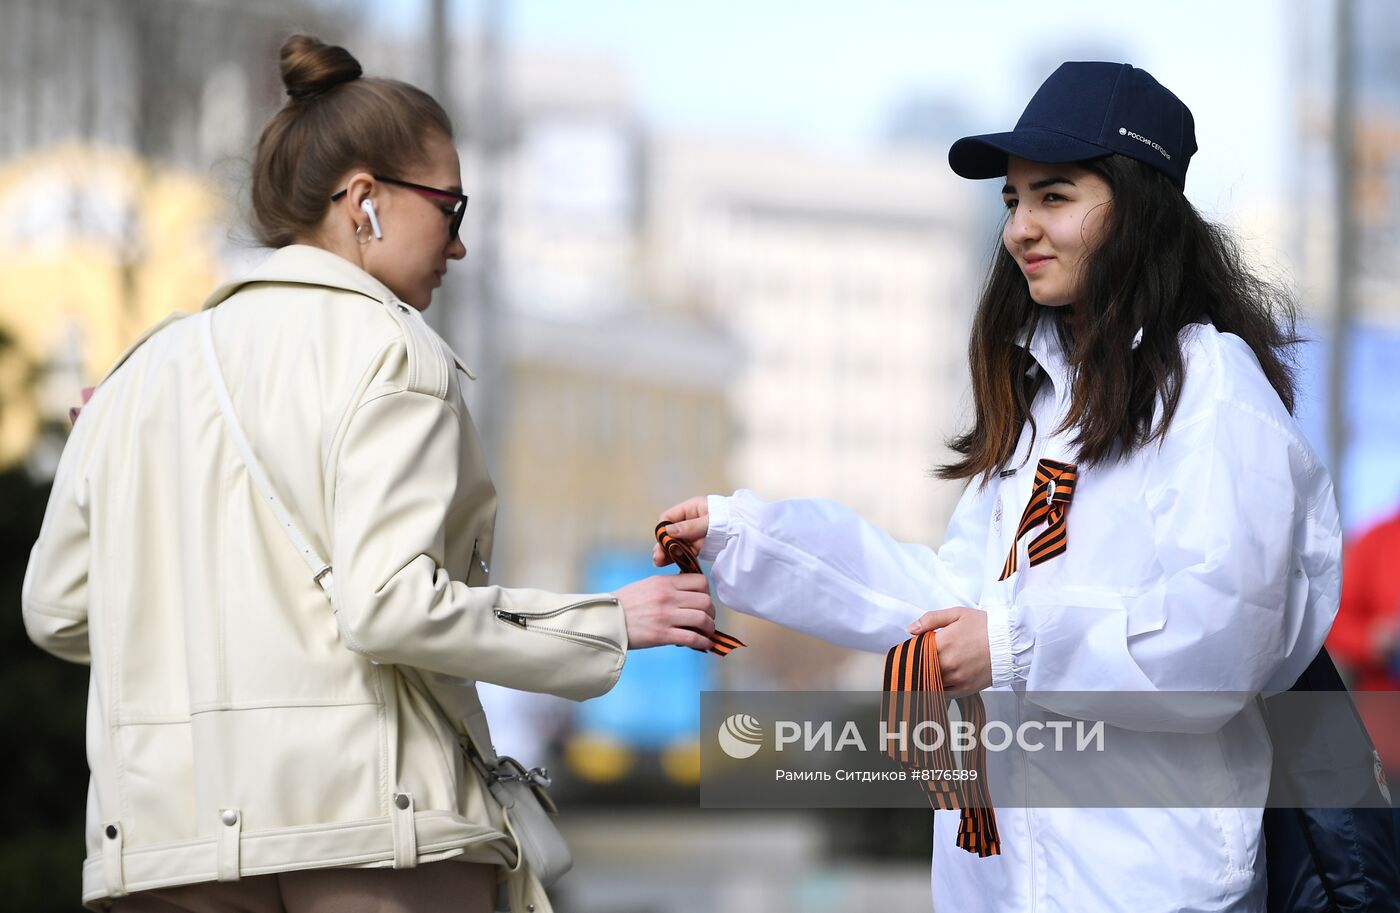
(334, 120)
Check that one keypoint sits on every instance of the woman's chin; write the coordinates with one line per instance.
(1051, 300)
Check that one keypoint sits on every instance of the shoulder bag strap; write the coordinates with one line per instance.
(319, 567)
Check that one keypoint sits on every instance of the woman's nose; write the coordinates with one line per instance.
(456, 250)
(1023, 225)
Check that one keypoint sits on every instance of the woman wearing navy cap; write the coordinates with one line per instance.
(1131, 369)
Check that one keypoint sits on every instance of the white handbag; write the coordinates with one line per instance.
(520, 793)
(523, 797)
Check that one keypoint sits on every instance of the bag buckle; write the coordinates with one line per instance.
(509, 770)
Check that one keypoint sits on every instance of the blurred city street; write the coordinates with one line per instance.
(709, 247)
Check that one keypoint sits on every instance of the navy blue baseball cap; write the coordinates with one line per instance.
(1087, 110)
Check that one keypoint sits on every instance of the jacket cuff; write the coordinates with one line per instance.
(577, 642)
(1007, 667)
(719, 533)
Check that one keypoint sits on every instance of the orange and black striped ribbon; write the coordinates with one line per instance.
(913, 694)
(721, 644)
(1049, 504)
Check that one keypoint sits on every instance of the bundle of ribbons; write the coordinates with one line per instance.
(913, 694)
(721, 644)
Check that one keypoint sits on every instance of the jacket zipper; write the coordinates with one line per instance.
(530, 621)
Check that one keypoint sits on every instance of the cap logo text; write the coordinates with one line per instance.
(1124, 131)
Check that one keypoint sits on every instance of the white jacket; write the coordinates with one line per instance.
(1210, 563)
(239, 723)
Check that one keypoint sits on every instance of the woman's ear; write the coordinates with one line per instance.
(359, 186)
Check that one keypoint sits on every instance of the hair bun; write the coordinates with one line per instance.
(311, 67)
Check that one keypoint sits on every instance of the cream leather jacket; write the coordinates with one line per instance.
(239, 723)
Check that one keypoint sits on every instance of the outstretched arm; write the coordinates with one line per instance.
(818, 567)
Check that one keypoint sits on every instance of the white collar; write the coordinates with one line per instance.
(1045, 347)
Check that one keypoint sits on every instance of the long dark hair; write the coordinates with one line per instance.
(1159, 267)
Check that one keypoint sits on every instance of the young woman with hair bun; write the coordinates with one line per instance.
(270, 534)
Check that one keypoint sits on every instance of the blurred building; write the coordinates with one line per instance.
(590, 366)
(1370, 469)
(847, 283)
(1376, 69)
(127, 126)
(612, 419)
(572, 191)
(850, 280)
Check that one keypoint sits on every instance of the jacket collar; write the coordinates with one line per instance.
(302, 264)
(1046, 349)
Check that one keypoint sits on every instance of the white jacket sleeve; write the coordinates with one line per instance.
(54, 597)
(1249, 543)
(817, 567)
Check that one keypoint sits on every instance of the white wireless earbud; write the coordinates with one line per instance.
(368, 207)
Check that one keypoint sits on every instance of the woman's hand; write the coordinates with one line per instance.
(690, 521)
(668, 609)
(964, 653)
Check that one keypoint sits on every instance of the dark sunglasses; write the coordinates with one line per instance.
(459, 201)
